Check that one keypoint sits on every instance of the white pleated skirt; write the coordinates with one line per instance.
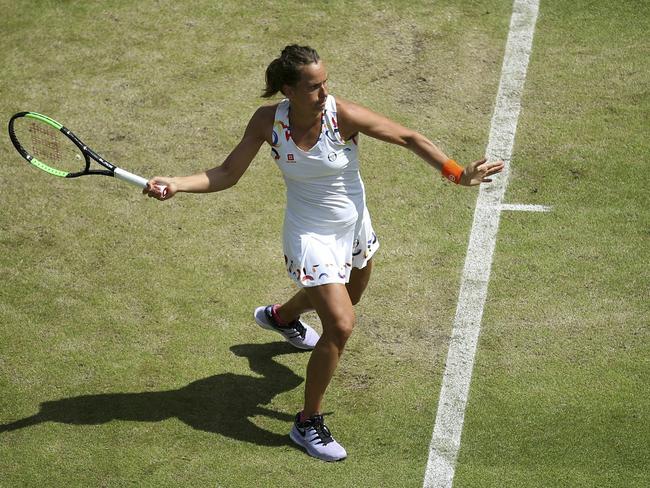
(315, 258)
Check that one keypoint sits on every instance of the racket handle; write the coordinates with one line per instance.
(137, 180)
(130, 178)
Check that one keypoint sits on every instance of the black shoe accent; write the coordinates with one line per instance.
(296, 325)
(315, 422)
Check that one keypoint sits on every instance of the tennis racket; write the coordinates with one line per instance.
(53, 148)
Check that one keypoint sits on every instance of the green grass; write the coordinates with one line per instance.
(557, 397)
(127, 343)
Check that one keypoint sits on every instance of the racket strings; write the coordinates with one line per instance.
(49, 145)
(45, 145)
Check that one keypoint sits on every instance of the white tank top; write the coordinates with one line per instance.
(324, 188)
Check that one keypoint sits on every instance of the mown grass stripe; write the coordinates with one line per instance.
(445, 441)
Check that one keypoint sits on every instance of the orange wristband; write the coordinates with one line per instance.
(452, 171)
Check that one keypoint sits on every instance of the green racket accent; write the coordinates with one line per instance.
(46, 119)
(47, 169)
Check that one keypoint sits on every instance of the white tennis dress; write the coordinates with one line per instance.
(327, 228)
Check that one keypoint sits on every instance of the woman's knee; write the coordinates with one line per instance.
(335, 310)
(340, 329)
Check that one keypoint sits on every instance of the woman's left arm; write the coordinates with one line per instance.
(354, 118)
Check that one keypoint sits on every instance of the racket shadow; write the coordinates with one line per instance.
(223, 404)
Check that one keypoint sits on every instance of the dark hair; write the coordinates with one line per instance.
(285, 70)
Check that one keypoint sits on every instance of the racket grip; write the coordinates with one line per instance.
(138, 180)
(130, 178)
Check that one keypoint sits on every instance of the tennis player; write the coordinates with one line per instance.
(328, 238)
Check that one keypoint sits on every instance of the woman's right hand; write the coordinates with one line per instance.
(160, 188)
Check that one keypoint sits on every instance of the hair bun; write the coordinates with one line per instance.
(285, 70)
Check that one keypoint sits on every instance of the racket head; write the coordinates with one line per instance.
(41, 141)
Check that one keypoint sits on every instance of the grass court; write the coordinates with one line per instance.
(128, 351)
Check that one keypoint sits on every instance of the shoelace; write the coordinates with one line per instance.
(321, 429)
(297, 325)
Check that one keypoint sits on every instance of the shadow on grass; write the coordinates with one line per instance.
(223, 404)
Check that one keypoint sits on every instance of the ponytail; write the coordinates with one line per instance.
(285, 70)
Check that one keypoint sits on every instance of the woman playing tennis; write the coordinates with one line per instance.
(328, 238)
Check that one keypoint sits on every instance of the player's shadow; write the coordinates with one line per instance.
(223, 404)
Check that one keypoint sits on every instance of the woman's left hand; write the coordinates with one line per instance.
(480, 171)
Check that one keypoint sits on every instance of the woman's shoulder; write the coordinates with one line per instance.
(267, 111)
(263, 120)
(348, 114)
(345, 106)
(264, 116)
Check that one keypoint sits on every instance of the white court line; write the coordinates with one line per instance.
(524, 208)
(445, 441)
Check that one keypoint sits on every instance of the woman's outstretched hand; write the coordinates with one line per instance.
(480, 171)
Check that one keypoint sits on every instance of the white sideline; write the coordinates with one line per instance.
(445, 441)
(525, 208)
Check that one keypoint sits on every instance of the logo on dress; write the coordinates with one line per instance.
(290, 157)
(332, 156)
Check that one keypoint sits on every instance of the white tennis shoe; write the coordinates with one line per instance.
(296, 333)
(315, 437)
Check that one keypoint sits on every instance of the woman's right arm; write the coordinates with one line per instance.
(230, 171)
